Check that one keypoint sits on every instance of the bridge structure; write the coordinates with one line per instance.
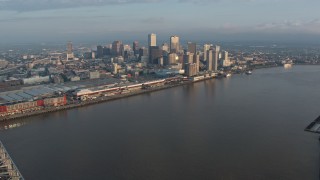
(8, 169)
(314, 127)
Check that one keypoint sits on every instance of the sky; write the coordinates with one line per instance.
(25, 21)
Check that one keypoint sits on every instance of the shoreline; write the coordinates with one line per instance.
(105, 99)
(92, 102)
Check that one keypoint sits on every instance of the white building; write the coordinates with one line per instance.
(36, 80)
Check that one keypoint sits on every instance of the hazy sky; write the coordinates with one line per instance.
(106, 20)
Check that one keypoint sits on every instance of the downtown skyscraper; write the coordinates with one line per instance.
(174, 44)
(70, 54)
(152, 40)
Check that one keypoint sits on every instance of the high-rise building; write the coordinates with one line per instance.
(174, 44)
(172, 58)
(206, 48)
(225, 56)
(216, 58)
(209, 59)
(116, 48)
(152, 40)
(188, 58)
(225, 59)
(70, 54)
(69, 47)
(155, 54)
(192, 47)
(106, 51)
(190, 69)
(135, 47)
(165, 47)
(143, 52)
(99, 52)
(93, 54)
(196, 60)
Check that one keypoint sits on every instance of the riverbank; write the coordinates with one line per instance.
(105, 99)
(91, 102)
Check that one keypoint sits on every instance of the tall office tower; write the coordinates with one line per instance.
(135, 47)
(188, 58)
(99, 52)
(196, 60)
(192, 47)
(93, 55)
(173, 58)
(70, 54)
(116, 48)
(155, 54)
(152, 40)
(190, 69)
(165, 47)
(122, 49)
(206, 47)
(174, 44)
(216, 58)
(209, 59)
(106, 51)
(143, 52)
(225, 59)
(69, 47)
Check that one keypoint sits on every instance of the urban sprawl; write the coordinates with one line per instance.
(49, 80)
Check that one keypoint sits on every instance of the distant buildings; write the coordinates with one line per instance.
(99, 53)
(135, 47)
(172, 58)
(174, 44)
(209, 59)
(196, 60)
(216, 58)
(116, 48)
(36, 80)
(155, 54)
(206, 48)
(192, 47)
(94, 75)
(152, 40)
(153, 49)
(165, 47)
(191, 69)
(70, 54)
(188, 58)
(225, 59)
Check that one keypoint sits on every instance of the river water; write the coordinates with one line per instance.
(242, 127)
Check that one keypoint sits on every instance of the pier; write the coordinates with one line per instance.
(8, 170)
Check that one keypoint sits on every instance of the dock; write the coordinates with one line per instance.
(8, 169)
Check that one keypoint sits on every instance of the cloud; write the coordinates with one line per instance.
(29, 5)
(293, 26)
(46, 18)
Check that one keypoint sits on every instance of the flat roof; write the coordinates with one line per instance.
(24, 95)
(15, 97)
(7, 98)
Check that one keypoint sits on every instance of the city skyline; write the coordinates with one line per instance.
(259, 20)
